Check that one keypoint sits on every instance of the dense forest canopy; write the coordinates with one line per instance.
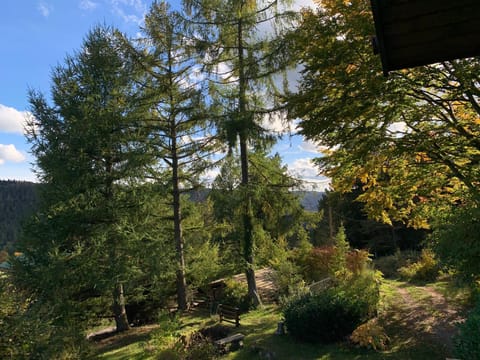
(18, 200)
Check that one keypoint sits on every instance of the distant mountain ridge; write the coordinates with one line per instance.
(19, 199)
(310, 199)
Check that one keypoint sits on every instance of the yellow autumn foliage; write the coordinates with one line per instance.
(370, 335)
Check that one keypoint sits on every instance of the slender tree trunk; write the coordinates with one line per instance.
(118, 307)
(330, 224)
(248, 242)
(177, 215)
(247, 216)
(177, 231)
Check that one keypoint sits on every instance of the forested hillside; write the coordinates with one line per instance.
(17, 200)
(310, 199)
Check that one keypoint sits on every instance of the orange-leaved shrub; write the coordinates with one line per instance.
(357, 261)
(319, 263)
(370, 335)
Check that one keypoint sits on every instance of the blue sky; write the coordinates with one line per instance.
(36, 35)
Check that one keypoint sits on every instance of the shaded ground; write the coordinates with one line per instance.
(421, 316)
(107, 339)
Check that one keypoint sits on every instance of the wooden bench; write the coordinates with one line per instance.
(229, 314)
(235, 341)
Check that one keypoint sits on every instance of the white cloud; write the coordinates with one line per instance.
(319, 184)
(306, 170)
(209, 176)
(87, 5)
(298, 4)
(12, 120)
(131, 11)
(310, 146)
(398, 129)
(44, 8)
(10, 153)
(277, 123)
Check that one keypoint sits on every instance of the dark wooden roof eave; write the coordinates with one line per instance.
(378, 41)
(411, 33)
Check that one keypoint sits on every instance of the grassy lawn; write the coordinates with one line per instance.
(259, 327)
(260, 341)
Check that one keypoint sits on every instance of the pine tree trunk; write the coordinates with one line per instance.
(119, 312)
(248, 242)
(177, 224)
(181, 281)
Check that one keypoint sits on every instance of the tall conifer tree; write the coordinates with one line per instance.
(174, 100)
(243, 46)
(90, 155)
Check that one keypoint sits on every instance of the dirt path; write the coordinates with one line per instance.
(421, 315)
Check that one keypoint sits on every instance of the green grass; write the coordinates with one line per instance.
(136, 344)
(460, 295)
(133, 351)
(126, 346)
(259, 328)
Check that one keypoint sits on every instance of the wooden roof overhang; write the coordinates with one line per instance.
(411, 33)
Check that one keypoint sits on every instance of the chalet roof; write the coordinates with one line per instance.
(411, 33)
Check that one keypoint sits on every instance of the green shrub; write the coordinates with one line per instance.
(426, 269)
(27, 330)
(169, 344)
(286, 272)
(365, 288)
(467, 342)
(286, 277)
(456, 238)
(169, 354)
(326, 317)
(295, 292)
(236, 294)
(203, 264)
(390, 264)
(332, 314)
(199, 347)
